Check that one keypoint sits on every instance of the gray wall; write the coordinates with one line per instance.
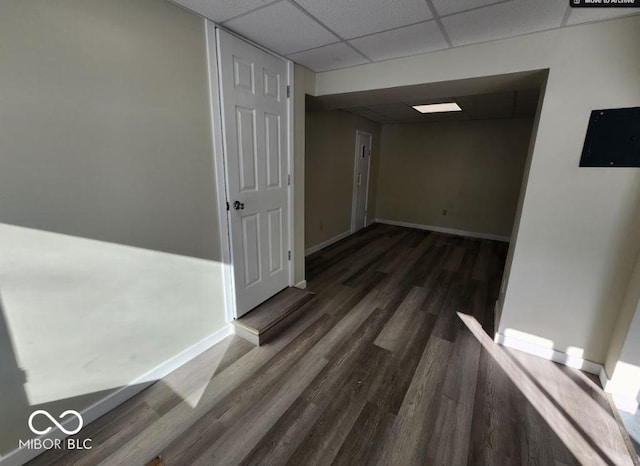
(105, 125)
(577, 232)
(105, 134)
(473, 169)
(330, 160)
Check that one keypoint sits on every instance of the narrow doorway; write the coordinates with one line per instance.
(359, 216)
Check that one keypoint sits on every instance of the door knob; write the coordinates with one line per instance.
(237, 205)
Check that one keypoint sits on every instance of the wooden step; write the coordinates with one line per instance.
(262, 321)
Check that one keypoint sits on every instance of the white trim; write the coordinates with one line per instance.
(251, 42)
(497, 313)
(604, 379)
(366, 196)
(219, 145)
(220, 180)
(290, 191)
(302, 285)
(549, 354)
(354, 192)
(623, 403)
(449, 231)
(628, 405)
(326, 243)
(371, 221)
(18, 457)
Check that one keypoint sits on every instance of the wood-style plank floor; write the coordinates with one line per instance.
(392, 364)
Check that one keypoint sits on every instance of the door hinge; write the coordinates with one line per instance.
(288, 91)
(289, 179)
(289, 255)
(227, 205)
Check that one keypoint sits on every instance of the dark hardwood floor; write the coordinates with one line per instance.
(392, 364)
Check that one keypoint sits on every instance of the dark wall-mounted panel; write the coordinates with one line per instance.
(613, 139)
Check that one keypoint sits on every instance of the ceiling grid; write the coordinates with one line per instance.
(331, 34)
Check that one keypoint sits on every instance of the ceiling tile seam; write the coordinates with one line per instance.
(409, 105)
(372, 111)
(457, 119)
(566, 16)
(189, 9)
(294, 3)
(386, 117)
(475, 8)
(365, 35)
(253, 10)
(389, 59)
(438, 21)
(486, 41)
(602, 20)
(424, 21)
(358, 51)
(316, 47)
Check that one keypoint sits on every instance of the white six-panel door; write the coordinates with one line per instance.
(255, 118)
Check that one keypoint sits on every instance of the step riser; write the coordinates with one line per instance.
(283, 324)
(247, 335)
(270, 329)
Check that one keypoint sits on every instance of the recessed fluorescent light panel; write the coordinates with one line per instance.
(438, 108)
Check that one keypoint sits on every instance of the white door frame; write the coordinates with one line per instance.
(354, 196)
(217, 125)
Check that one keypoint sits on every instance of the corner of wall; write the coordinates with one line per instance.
(627, 311)
(516, 223)
(303, 79)
(309, 78)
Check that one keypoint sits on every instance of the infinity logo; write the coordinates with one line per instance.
(55, 422)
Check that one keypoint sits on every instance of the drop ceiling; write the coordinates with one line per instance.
(513, 95)
(331, 34)
(516, 104)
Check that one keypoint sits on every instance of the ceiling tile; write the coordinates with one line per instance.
(282, 28)
(368, 114)
(584, 15)
(430, 117)
(510, 104)
(329, 57)
(356, 18)
(222, 10)
(410, 40)
(396, 111)
(447, 7)
(499, 105)
(504, 20)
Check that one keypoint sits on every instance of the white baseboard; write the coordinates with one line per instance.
(302, 285)
(627, 405)
(449, 231)
(371, 221)
(326, 243)
(623, 403)
(549, 354)
(19, 457)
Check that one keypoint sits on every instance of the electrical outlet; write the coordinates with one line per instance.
(444, 211)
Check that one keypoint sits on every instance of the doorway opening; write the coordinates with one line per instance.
(459, 173)
(361, 171)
